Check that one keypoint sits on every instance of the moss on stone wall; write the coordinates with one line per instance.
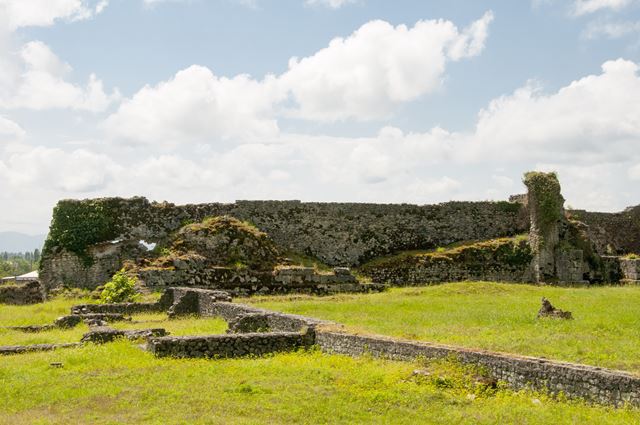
(508, 253)
(544, 190)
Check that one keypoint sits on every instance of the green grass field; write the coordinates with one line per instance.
(493, 316)
(119, 383)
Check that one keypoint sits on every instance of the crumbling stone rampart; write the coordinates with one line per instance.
(90, 239)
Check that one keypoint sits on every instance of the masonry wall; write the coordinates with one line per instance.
(339, 234)
(591, 383)
(499, 260)
(612, 233)
(21, 294)
(251, 344)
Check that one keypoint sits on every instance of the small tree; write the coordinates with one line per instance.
(119, 289)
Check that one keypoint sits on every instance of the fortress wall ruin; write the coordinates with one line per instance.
(340, 234)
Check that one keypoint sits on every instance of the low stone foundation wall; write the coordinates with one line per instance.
(20, 349)
(251, 344)
(232, 312)
(119, 308)
(630, 270)
(28, 293)
(238, 282)
(591, 383)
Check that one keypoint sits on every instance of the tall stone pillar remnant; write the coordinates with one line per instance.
(546, 213)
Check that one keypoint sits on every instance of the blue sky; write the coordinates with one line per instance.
(417, 101)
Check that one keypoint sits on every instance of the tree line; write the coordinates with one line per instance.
(17, 263)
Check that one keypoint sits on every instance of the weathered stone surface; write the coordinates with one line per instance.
(249, 323)
(101, 335)
(22, 294)
(630, 268)
(548, 310)
(282, 280)
(613, 233)
(73, 320)
(188, 301)
(240, 345)
(117, 308)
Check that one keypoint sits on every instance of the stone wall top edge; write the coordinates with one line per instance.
(244, 202)
(240, 336)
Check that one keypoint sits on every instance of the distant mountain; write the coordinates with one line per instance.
(20, 242)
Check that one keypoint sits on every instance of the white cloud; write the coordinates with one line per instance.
(333, 4)
(198, 106)
(364, 75)
(360, 77)
(610, 29)
(24, 13)
(9, 130)
(54, 169)
(591, 119)
(37, 81)
(584, 7)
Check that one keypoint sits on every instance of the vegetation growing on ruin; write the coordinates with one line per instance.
(632, 257)
(545, 188)
(78, 224)
(493, 316)
(511, 251)
(119, 383)
(218, 241)
(120, 289)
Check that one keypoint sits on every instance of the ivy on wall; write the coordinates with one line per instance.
(77, 225)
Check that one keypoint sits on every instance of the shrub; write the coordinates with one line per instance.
(119, 289)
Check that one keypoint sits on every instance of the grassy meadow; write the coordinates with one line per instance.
(495, 316)
(119, 383)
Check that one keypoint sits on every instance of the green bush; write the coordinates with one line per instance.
(119, 289)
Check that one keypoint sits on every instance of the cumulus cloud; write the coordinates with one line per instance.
(364, 75)
(584, 7)
(24, 13)
(37, 81)
(360, 77)
(590, 119)
(196, 105)
(333, 4)
(55, 169)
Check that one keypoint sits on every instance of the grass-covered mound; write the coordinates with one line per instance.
(501, 317)
(219, 241)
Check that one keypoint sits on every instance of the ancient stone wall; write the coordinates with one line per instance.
(238, 345)
(21, 294)
(498, 260)
(630, 268)
(242, 282)
(591, 383)
(338, 234)
(613, 233)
